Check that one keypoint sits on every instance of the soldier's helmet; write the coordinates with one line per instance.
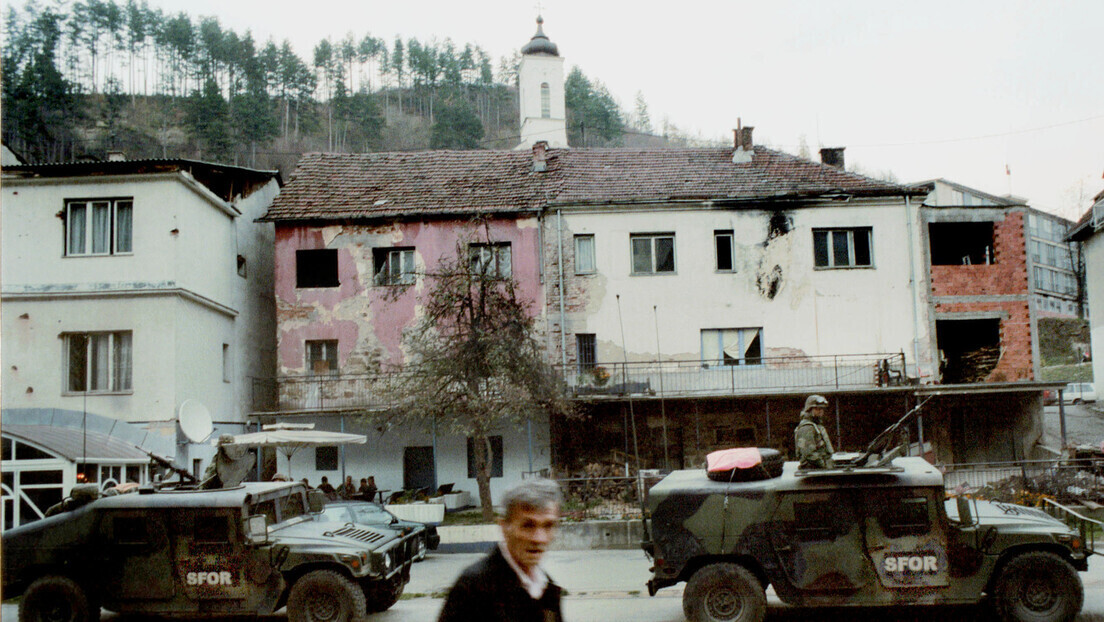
(815, 401)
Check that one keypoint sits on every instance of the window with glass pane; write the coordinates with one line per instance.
(98, 362)
(842, 248)
(394, 266)
(722, 241)
(732, 346)
(584, 254)
(586, 348)
(653, 253)
(546, 100)
(99, 227)
(491, 260)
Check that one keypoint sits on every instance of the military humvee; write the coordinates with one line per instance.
(242, 550)
(857, 536)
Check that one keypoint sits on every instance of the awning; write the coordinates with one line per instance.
(76, 445)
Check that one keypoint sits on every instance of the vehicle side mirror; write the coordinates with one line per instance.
(256, 529)
(316, 500)
(965, 516)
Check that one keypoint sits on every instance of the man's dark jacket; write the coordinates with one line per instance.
(490, 591)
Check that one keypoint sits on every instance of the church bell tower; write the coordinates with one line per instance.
(541, 92)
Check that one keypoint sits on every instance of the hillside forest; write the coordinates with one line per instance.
(87, 77)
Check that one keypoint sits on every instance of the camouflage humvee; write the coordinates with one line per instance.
(247, 549)
(857, 536)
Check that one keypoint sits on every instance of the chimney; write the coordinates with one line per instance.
(540, 156)
(743, 148)
(832, 156)
(116, 156)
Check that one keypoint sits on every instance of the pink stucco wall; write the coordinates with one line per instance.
(365, 319)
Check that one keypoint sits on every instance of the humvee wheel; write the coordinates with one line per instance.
(325, 596)
(1038, 587)
(724, 593)
(57, 599)
(382, 595)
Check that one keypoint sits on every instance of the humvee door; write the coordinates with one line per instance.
(817, 539)
(905, 538)
(136, 557)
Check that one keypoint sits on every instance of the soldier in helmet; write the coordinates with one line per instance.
(814, 448)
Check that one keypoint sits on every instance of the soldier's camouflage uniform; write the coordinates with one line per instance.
(814, 448)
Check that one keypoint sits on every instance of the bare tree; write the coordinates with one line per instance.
(476, 364)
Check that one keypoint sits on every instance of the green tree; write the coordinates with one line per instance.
(593, 117)
(642, 121)
(476, 363)
(255, 120)
(457, 126)
(208, 119)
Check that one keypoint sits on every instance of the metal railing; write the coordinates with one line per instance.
(332, 392)
(751, 376)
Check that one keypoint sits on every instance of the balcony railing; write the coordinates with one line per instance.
(762, 375)
(359, 392)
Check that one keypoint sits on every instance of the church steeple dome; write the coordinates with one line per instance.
(540, 44)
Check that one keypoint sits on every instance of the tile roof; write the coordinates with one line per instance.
(427, 183)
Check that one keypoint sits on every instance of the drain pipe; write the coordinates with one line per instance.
(563, 312)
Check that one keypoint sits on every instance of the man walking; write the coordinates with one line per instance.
(508, 585)
(814, 448)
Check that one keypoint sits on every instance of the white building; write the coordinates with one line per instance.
(130, 287)
(1090, 233)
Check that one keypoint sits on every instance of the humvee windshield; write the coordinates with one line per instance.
(280, 509)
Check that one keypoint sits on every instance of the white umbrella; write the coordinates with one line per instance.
(289, 438)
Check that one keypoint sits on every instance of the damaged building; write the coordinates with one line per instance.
(690, 298)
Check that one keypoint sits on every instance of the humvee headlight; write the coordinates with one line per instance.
(352, 561)
(1074, 542)
(387, 562)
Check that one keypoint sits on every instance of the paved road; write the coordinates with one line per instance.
(1084, 424)
(608, 586)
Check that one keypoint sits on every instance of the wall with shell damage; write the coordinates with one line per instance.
(774, 285)
(367, 320)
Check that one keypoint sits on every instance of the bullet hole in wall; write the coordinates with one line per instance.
(769, 282)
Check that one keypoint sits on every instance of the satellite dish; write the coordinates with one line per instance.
(195, 421)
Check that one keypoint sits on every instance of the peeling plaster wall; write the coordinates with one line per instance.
(367, 320)
(811, 311)
(1094, 295)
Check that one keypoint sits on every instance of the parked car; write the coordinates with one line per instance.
(375, 515)
(1078, 392)
(1050, 397)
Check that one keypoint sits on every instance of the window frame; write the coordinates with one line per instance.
(331, 354)
(718, 235)
(581, 240)
(741, 333)
(88, 241)
(120, 373)
(652, 239)
(483, 254)
(831, 253)
(586, 344)
(383, 260)
(546, 100)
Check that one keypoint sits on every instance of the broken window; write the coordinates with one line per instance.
(969, 349)
(584, 254)
(732, 346)
(653, 253)
(99, 227)
(322, 356)
(842, 248)
(961, 243)
(394, 266)
(316, 268)
(722, 242)
(586, 347)
(492, 260)
(98, 362)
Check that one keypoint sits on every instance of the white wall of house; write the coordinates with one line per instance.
(178, 292)
(813, 312)
(382, 456)
(1093, 248)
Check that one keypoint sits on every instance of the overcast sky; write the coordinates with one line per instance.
(964, 90)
